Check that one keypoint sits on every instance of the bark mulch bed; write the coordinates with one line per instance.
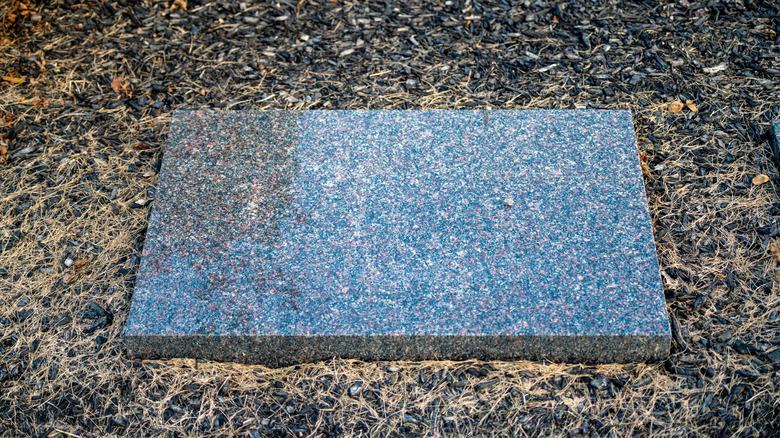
(86, 94)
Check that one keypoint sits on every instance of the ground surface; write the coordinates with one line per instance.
(85, 101)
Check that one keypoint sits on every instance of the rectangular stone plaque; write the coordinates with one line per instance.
(283, 237)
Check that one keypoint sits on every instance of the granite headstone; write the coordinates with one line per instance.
(281, 237)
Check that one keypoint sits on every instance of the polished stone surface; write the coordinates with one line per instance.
(283, 237)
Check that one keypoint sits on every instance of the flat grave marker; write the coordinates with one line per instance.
(282, 237)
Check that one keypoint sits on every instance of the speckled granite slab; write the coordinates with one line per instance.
(286, 237)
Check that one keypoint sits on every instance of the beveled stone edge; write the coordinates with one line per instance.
(281, 351)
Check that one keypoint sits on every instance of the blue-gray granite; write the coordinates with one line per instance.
(281, 237)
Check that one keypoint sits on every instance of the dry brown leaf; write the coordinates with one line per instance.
(774, 249)
(80, 264)
(36, 102)
(675, 107)
(120, 85)
(692, 106)
(13, 79)
(116, 84)
(645, 168)
(760, 179)
(181, 4)
(50, 221)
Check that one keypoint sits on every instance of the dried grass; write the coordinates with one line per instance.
(58, 381)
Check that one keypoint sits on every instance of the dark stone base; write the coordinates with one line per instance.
(276, 351)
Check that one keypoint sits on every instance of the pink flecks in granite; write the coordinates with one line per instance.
(282, 237)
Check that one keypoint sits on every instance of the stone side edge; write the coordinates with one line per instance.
(281, 351)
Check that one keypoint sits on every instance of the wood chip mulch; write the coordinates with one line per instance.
(86, 92)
